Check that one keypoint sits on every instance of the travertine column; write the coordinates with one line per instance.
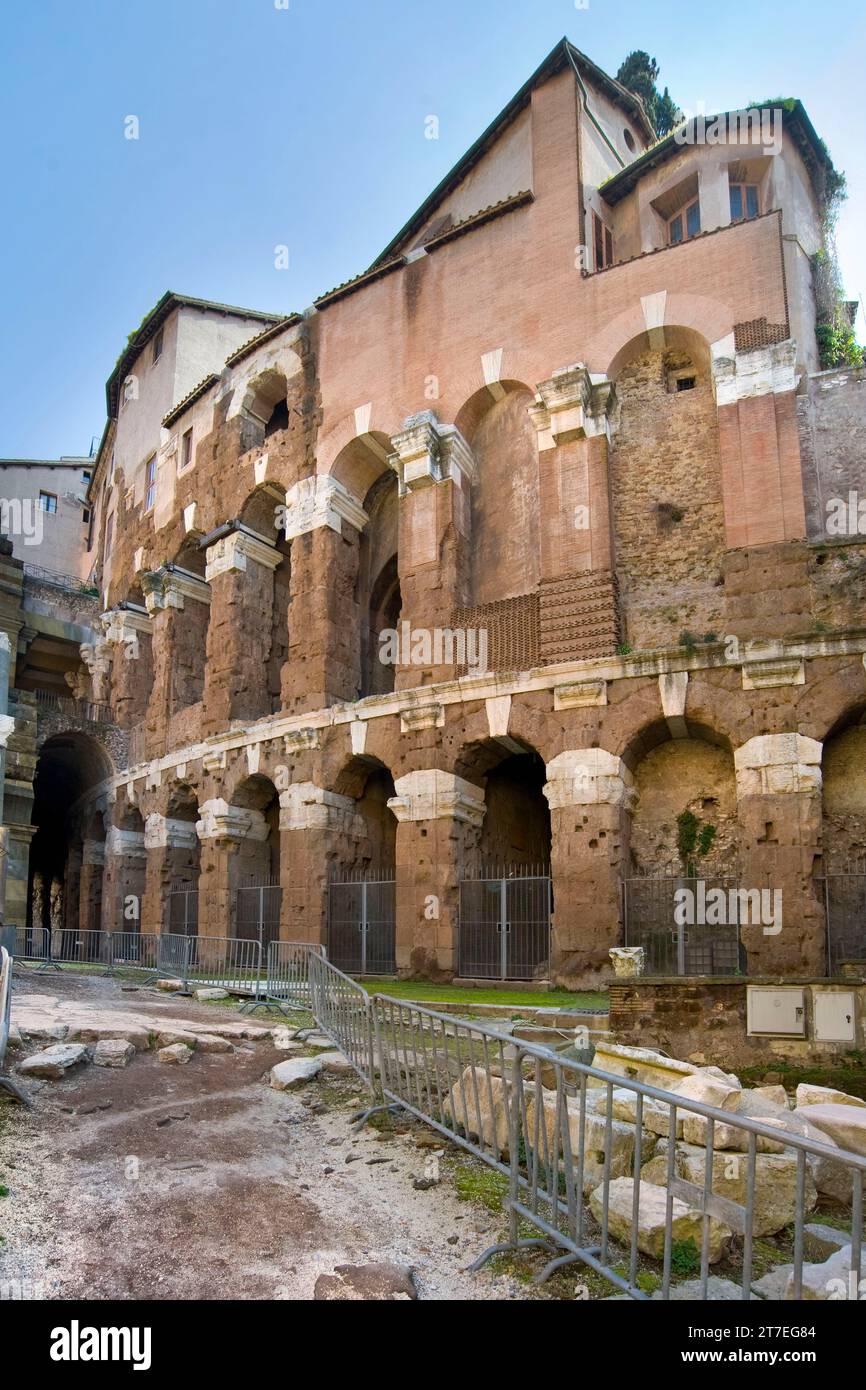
(124, 880)
(90, 897)
(762, 480)
(323, 523)
(178, 603)
(573, 415)
(435, 468)
(438, 819)
(128, 637)
(779, 809)
(319, 830)
(240, 572)
(590, 793)
(172, 856)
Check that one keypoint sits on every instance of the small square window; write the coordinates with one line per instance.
(157, 346)
(685, 383)
(86, 475)
(47, 502)
(186, 451)
(85, 516)
(685, 224)
(744, 201)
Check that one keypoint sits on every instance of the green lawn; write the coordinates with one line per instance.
(456, 994)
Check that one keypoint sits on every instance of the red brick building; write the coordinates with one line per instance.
(444, 606)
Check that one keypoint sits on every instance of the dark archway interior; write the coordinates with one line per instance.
(515, 832)
(379, 599)
(69, 765)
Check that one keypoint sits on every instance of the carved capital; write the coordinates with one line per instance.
(234, 552)
(436, 795)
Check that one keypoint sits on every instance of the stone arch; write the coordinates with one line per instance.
(378, 585)
(368, 785)
(361, 462)
(504, 558)
(68, 848)
(667, 504)
(673, 777)
(843, 767)
(515, 832)
(680, 317)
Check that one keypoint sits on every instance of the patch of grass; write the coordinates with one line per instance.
(425, 992)
(4, 1190)
(685, 1257)
(482, 1185)
(847, 1074)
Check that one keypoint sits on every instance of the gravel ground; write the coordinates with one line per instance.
(201, 1182)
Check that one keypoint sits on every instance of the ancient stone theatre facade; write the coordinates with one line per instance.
(427, 615)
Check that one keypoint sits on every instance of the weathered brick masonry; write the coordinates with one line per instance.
(617, 476)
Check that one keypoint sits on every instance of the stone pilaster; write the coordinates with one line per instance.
(435, 468)
(124, 880)
(240, 572)
(319, 831)
(128, 638)
(439, 816)
(590, 794)
(323, 523)
(178, 602)
(90, 896)
(231, 839)
(762, 480)
(172, 850)
(779, 806)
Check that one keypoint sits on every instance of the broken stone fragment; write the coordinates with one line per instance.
(211, 992)
(177, 1054)
(825, 1095)
(687, 1223)
(335, 1063)
(212, 1042)
(294, 1072)
(830, 1280)
(113, 1052)
(845, 1124)
(373, 1283)
(53, 1062)
(170, 1036)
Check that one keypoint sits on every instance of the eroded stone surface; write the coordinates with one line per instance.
(294, 1072)
(687, 1223)
(113, 1052)
(53, 1062)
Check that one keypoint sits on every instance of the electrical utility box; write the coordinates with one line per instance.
(775, 1012)
(833, 1012)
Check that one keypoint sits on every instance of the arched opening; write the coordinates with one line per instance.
(666, 490)
(685, 841)
(67, 852)
(254, 869)
(266, 407)
(506, 898)
(378, 595)
(844, 840)
(182, 862)
(362, 891)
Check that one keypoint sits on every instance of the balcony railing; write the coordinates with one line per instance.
(69, 582)
(89, 710)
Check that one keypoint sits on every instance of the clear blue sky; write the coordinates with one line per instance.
(263, 126)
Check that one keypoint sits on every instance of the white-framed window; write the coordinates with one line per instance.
(157, 347)
(47, 502)
(685, 224)
(150, 483)
(745, 203)
(186, 451)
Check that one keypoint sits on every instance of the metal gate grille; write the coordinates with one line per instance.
(183, 911)
(650, 914)
(504, 928)
(846, 920)
(362, 926)
(257, 912)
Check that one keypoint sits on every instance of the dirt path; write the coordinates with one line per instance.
(201, 1182)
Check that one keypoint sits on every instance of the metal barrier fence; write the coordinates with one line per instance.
(33, 946)
(342, 1010)
(650, 915)
(287, 976)
(596, 1171)
(226, 962)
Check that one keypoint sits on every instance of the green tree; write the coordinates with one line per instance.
(639, 73)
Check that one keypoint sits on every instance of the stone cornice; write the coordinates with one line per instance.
(170, 588)
(320, 501)
(232, 553)
(492, 686)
